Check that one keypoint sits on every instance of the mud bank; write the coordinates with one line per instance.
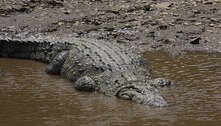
(145, 24)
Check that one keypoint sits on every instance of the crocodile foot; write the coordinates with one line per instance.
(85, 84)
(56, 64)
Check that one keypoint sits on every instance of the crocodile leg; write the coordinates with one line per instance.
(85, 83)
(56, 64)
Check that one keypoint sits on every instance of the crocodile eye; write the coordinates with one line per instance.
(125, 97)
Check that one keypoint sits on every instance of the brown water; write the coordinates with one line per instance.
(29, 97)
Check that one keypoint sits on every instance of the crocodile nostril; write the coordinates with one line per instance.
(159, 103)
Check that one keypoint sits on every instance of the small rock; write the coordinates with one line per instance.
(171, 24)
(212, 25)
(96, 22)
(211, 31)
(77, 23)
(128, 25)
(60, 23)
(67, 26)
(164, 13)
(198, 23)
(196, 12)
(185, 23)
(164, 5)
(214, 19)
(199, 1)
(195, 40)
(207, 40)
(208, 2)
(67, 12)
(175, 14)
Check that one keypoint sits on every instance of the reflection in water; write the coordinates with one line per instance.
(28, 96)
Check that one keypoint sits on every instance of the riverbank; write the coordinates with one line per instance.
(145, 24)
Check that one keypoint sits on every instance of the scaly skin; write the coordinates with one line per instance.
(94, 66)
(104, 68)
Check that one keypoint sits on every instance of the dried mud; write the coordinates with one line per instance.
(141, 24)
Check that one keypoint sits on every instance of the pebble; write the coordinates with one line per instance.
(67, 11)
(211, 31)
(212, 25)
(208, 2)
(60, 23)
(196, 12)
(214, 19)
(164, 5)
(198, 23)
(195, 40)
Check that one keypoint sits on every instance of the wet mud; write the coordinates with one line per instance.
(142, 24)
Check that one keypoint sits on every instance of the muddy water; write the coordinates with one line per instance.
(28, 96)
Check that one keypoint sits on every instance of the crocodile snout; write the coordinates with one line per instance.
(143, 96)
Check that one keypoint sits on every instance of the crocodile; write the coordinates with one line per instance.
(95, 66)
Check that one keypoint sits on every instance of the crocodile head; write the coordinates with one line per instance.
(142, 93)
